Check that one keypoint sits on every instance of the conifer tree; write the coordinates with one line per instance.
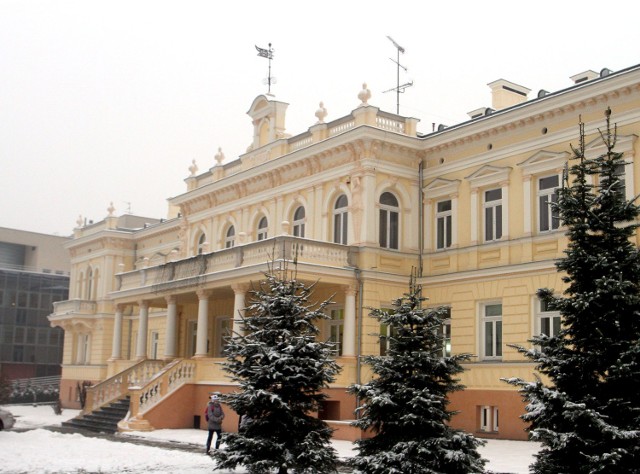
(588, 415)
(281, 369)
(405, 404)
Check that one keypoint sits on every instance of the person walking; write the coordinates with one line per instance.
(214, 414)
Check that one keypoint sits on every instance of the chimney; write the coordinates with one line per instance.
(584, 76)
(506, 94)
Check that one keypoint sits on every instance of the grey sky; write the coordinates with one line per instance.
(110, 100)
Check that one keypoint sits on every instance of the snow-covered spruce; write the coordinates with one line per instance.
(281, 369)
(405, 405)
(588, 417)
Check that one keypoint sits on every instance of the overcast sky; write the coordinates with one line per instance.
(110, 100)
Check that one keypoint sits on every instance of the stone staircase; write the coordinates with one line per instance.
(104, 419)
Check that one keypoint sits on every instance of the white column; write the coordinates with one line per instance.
(239, 291)
(143, 324)
(455, 220)
(203, 324)
(349, 335)
(171, 329)
(116, 347)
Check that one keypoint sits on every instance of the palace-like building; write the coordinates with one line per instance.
(361, 202)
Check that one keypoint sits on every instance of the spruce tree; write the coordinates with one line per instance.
(281, 369)
(587, 412)
(404, 406)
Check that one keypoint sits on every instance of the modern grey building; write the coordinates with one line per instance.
(34, 273)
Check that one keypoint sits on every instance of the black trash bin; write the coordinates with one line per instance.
(196, 422)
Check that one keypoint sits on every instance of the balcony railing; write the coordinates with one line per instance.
(191, 271)
(117, 386)
(79, 307)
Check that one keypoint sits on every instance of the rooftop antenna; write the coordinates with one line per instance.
(399, 88)
(267, 53)
(128, 203)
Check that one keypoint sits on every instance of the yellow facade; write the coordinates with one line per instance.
(361, 202)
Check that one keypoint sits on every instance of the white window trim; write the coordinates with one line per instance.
(547, 192)
(540, 164)
(331, 323)
(484, 179)
(539, 314)
(493, 205)
(489, 419)
(440, 190)
(222, 332)
(482, 320)
(388, 210)
(443, 215)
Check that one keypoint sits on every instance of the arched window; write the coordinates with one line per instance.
(202, 241)
(298, 222)
(89, 285)
(340, 220)
(389, 217)
(262, 228)
(230, 238)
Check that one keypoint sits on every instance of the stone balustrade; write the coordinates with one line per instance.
(147, 395)
(117, 386)
(75, 306)
(184, 273)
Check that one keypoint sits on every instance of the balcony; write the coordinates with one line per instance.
(194, 270)
(74, 307)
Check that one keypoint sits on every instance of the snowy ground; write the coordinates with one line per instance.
(41, 451)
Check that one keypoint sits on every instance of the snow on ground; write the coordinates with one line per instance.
(42, 451)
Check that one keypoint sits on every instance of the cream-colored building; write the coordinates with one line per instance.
(362, 201)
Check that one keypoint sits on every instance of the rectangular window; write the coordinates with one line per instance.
(492, 215)
(548, 321)
(223, 333)
(443, 224)
(155, 341)
(489, 419)
(492, 331)
(336, 330)
(446, 336)
(549, 220)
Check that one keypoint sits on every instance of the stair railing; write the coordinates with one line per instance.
(171, 377)
(117, 386)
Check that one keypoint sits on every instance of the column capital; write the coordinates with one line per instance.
(240, 287)
(350, 289)
(171, 299)
(203, 294)
(143, 304)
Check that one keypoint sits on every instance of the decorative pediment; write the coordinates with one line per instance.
(441, 187)
(543, 161)
(624, 144)
(487, 175)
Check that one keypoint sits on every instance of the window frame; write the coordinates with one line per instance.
(299, 222)
(389, 222)
(489, 419)
(230, 237)
(552, 220)
(495, 207)
(495, 322)
(553, 317)
(337, 324)
(262, 232)
(341, 220)
(446, 217)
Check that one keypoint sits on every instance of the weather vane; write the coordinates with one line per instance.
(267, 53)
(399, 88)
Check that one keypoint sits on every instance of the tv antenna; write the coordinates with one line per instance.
(399, 88)
(267, 53)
